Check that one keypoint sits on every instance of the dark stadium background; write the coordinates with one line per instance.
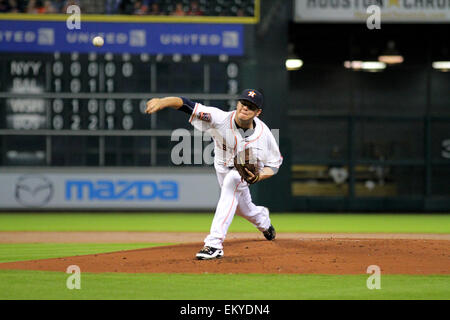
(351, 140)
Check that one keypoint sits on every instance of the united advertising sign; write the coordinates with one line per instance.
(151, 38)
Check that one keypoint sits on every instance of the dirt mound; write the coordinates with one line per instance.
(325, 256)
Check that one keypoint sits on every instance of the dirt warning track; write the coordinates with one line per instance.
(186, 237)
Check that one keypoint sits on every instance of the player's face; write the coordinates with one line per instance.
(246, 111)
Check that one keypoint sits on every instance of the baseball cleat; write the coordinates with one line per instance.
(208, 253)
(270, 233)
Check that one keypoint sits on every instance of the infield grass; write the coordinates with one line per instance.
(34, 251)
(191, 222)
(52, 285)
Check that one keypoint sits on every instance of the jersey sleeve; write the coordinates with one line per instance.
(273, 157)
(204, 118)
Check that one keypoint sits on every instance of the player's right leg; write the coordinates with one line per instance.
(231, 185)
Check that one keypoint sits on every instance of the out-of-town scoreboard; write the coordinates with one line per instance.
(87, 108)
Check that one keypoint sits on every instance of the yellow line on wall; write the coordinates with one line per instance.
(131, 19)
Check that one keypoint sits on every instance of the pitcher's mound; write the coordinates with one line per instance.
(327, 256)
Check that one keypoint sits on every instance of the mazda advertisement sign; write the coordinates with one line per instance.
(32, 191)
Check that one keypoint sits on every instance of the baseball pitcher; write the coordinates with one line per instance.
(245, 153)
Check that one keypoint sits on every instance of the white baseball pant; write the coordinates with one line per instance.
(235, 198)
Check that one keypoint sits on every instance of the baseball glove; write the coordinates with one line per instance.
(247, 169)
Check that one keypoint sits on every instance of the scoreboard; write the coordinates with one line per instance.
(88, 109)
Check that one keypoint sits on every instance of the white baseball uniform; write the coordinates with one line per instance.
(235, 195)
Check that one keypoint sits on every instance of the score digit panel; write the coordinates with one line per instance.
(98, 114)
(92, 73)
(104, 92)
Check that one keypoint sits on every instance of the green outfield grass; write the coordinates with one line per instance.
(34, 251)
(190, 222)
(52, 285)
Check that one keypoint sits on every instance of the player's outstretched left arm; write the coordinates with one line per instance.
(156, 104)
